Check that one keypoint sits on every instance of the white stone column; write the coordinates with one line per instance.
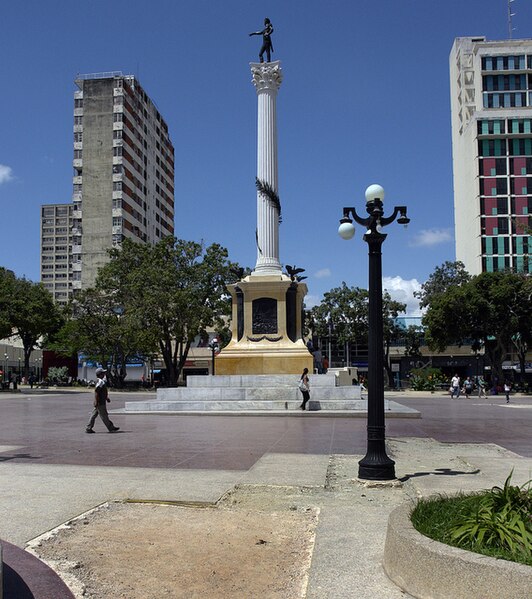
(267, 77)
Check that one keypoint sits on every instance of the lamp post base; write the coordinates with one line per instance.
(376, 466)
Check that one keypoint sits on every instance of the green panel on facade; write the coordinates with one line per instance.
(489, 264)
(494, 211)
(489, 245)
(523, 170)
(500, 245)
(527, 125)
(500, 263)
(519, 263)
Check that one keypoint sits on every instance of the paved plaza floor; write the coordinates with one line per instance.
(51, 470)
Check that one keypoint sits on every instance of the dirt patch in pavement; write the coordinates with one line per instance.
(134, 551)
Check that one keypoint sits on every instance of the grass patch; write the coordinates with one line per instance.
(496, 523)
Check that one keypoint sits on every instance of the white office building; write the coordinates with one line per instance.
(491, 111)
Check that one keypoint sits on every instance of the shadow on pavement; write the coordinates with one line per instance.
(438, 472)
(19, 456)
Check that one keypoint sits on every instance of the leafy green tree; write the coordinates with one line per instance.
(173, 291)
(390, 328)
(34, 316)
(491, 307)
(444, 277)
(7, 294)
(522, 313)
(413, 337)
(102, 329)
(344, 310)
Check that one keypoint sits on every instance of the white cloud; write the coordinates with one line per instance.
(402, 290)
(429, 237)
(323, 273)
(5, 174)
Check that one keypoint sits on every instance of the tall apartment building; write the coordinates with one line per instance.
(123, 183)
(58, 272)
(491, 112)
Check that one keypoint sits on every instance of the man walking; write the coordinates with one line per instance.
(101, 397)
(455, 386)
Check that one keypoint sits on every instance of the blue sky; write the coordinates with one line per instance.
(365, 99)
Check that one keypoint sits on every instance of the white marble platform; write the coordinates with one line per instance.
(254, 394)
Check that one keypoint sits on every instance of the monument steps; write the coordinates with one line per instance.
(244, 406)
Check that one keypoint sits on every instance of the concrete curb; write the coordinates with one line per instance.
(429, 569)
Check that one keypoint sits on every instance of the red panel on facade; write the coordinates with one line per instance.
(521, 204)
(490, 184)
(519, 183)
(487, 165)
(519, 164)
(489, 205)
(491, 226)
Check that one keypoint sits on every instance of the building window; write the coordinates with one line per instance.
(117, 117)
(502, 226)
(504, 63)
(117, 151)
(491, 127)
(78, 137)
(492, 147)
(78, 120)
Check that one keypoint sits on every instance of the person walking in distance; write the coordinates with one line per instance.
(304, 387)
(468, 387)
(101, 398)
(455, 386)
(507, 389)
(481, 384)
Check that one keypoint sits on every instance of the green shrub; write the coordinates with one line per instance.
(426, 379)
(497, 523)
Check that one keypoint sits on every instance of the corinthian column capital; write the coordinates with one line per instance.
(266, 75)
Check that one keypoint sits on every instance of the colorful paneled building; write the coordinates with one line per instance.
(491, 112)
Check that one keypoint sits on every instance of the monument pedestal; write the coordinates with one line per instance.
(266, 328)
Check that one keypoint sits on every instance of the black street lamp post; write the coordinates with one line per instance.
(213, 344)
(375, 465)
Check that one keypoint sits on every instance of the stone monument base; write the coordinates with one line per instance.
(258, 358)
(266, 328)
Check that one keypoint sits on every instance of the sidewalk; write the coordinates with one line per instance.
(351, 518)
(308, 523)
